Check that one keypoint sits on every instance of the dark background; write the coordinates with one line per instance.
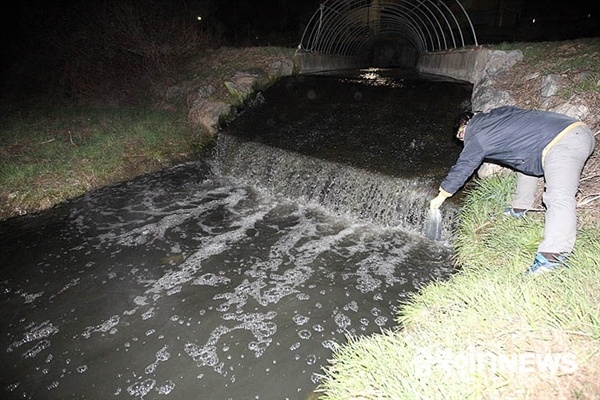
(86, 48)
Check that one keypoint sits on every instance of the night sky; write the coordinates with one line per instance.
(40, 36)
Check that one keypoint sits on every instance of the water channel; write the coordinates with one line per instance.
(237, 276)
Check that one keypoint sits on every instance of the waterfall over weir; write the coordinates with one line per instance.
(236, 277)
(371, 144)
(344, 190)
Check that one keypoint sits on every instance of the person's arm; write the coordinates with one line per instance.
(470, 159)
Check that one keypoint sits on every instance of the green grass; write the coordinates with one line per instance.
(580, 56)
(50, 155)
(488, 311)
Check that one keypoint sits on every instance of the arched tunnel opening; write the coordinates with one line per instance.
(386, 33)
(392, 52)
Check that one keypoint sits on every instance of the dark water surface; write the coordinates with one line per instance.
(229, 279)
(398, 123)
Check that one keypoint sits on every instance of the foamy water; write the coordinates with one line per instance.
(185, 285)
(239, 278)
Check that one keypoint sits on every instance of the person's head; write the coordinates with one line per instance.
(461, 124)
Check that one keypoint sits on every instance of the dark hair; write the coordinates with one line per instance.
(464, 118)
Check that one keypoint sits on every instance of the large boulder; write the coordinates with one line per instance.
(244, 83)
(207, 114)
(485, 96)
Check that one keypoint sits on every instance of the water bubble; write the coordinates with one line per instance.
(304, 334)
(150, 368)
(330, 344)
(35, 350)
(174, 290)
(30, 298)
(311, 359)
(13, 386)
(342, 320)
(82, 368)
(300, 320)
(259, 347)
(203, 355)
(140, 300)
(163, 354)
(303, 296)
(210, 279)
(140, 389)
(43, 330)
(352, 306)
(166, 387)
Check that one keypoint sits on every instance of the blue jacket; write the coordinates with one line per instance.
(509, 136)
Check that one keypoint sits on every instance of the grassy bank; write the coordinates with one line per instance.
(490, 332)
(54, 151)
(49, 155)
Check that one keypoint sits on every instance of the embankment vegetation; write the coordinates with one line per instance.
(95, 116)
(491, 332)
(86, 97)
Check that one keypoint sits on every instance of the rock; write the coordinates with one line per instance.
(208, 106)
(488, 170)
(203, 92)
(485, 96)
(281, 68)
(244, 83)
(207, 113)
(550, 85)
(579, 111)
(499, 61)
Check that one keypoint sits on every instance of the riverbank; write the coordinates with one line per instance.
(487, 312)
(52, 151)
(490, 331)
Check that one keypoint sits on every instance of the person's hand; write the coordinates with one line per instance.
(437, 202)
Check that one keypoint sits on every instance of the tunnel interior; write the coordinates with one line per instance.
(387, 33)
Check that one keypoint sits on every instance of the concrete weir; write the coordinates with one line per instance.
(316, 62)
(465, 64)
(475, 65)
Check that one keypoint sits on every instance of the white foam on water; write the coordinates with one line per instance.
(254, 275)
(36, 333)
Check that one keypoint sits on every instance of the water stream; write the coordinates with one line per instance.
(234, 277)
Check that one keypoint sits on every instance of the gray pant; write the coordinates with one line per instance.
(562, 171)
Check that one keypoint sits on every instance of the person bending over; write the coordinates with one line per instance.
(536, 144)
